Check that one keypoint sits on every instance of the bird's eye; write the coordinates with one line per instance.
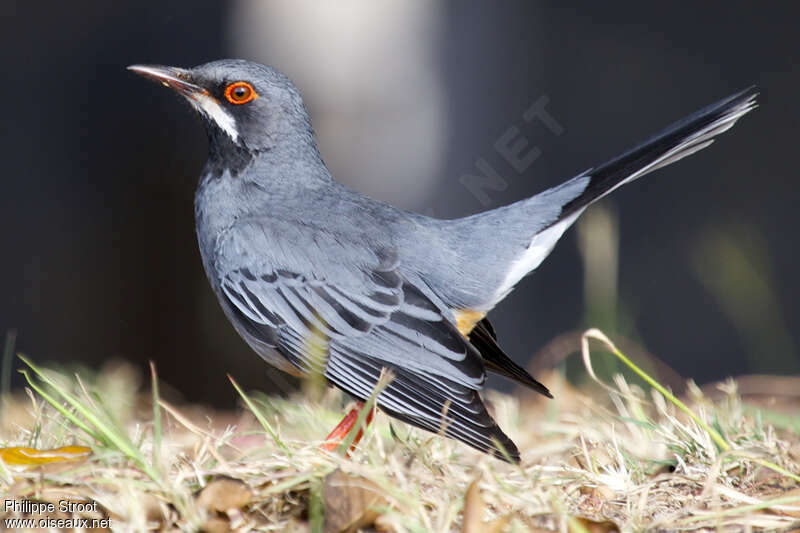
(240, 92)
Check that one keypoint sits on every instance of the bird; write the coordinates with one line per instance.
(320, 279)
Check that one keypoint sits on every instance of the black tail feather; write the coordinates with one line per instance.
(682, 138)
(484, 339)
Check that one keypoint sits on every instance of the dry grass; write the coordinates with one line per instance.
(593, 460)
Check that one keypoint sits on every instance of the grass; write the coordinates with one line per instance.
(610, 457)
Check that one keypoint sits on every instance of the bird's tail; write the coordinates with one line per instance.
(679, 140)
(516, 238)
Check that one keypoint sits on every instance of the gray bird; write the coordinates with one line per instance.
(317, 277)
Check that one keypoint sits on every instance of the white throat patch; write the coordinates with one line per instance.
(211, 108)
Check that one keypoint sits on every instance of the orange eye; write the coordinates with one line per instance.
(240, 92)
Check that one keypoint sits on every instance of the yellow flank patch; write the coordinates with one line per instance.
(466, 320)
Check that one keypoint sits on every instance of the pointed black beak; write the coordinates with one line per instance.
(175, 78)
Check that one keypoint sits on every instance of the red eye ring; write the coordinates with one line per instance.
(240, 92)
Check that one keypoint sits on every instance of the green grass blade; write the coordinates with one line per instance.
(61, 409)
(316, 507)
(260, 417)
(775, 467)
(112, 435)
(598, 335)
(157, 430)
(718, 439)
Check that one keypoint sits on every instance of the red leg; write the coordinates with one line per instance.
(345, 426)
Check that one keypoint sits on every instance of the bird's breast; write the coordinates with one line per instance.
(216, 210)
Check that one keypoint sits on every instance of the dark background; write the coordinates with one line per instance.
(99, 257)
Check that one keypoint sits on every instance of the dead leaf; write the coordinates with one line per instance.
(150, 506)
(215, 525)
(350, 502)
(596, 497)
(224, 494)
(498, 525)
(765, 478)
(789, 509)
(474, 507)
(581, 525)
(22, 459)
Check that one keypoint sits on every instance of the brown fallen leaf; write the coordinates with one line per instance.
(350, 502)
(215, 525)
(224, 494)
(21, 459)
(789, 509)
(150, 506)
(474, 508)
(581, 525)
(595, 497)
(472, 521)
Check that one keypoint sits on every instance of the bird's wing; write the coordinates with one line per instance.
(348, 313)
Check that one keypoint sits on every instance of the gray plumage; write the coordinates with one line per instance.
(297, 259)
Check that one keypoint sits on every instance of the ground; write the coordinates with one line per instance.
(621, 457)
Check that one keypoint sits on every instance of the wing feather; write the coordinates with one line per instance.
(389, 324)
(366, 313)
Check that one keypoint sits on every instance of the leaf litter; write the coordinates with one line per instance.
(599, 458)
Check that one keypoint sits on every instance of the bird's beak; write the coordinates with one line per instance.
(175, 78)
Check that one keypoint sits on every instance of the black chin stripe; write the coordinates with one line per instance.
(225, 154)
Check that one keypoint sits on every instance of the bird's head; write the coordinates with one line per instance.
(252, 105)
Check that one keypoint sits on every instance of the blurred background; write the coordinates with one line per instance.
(411, 101)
